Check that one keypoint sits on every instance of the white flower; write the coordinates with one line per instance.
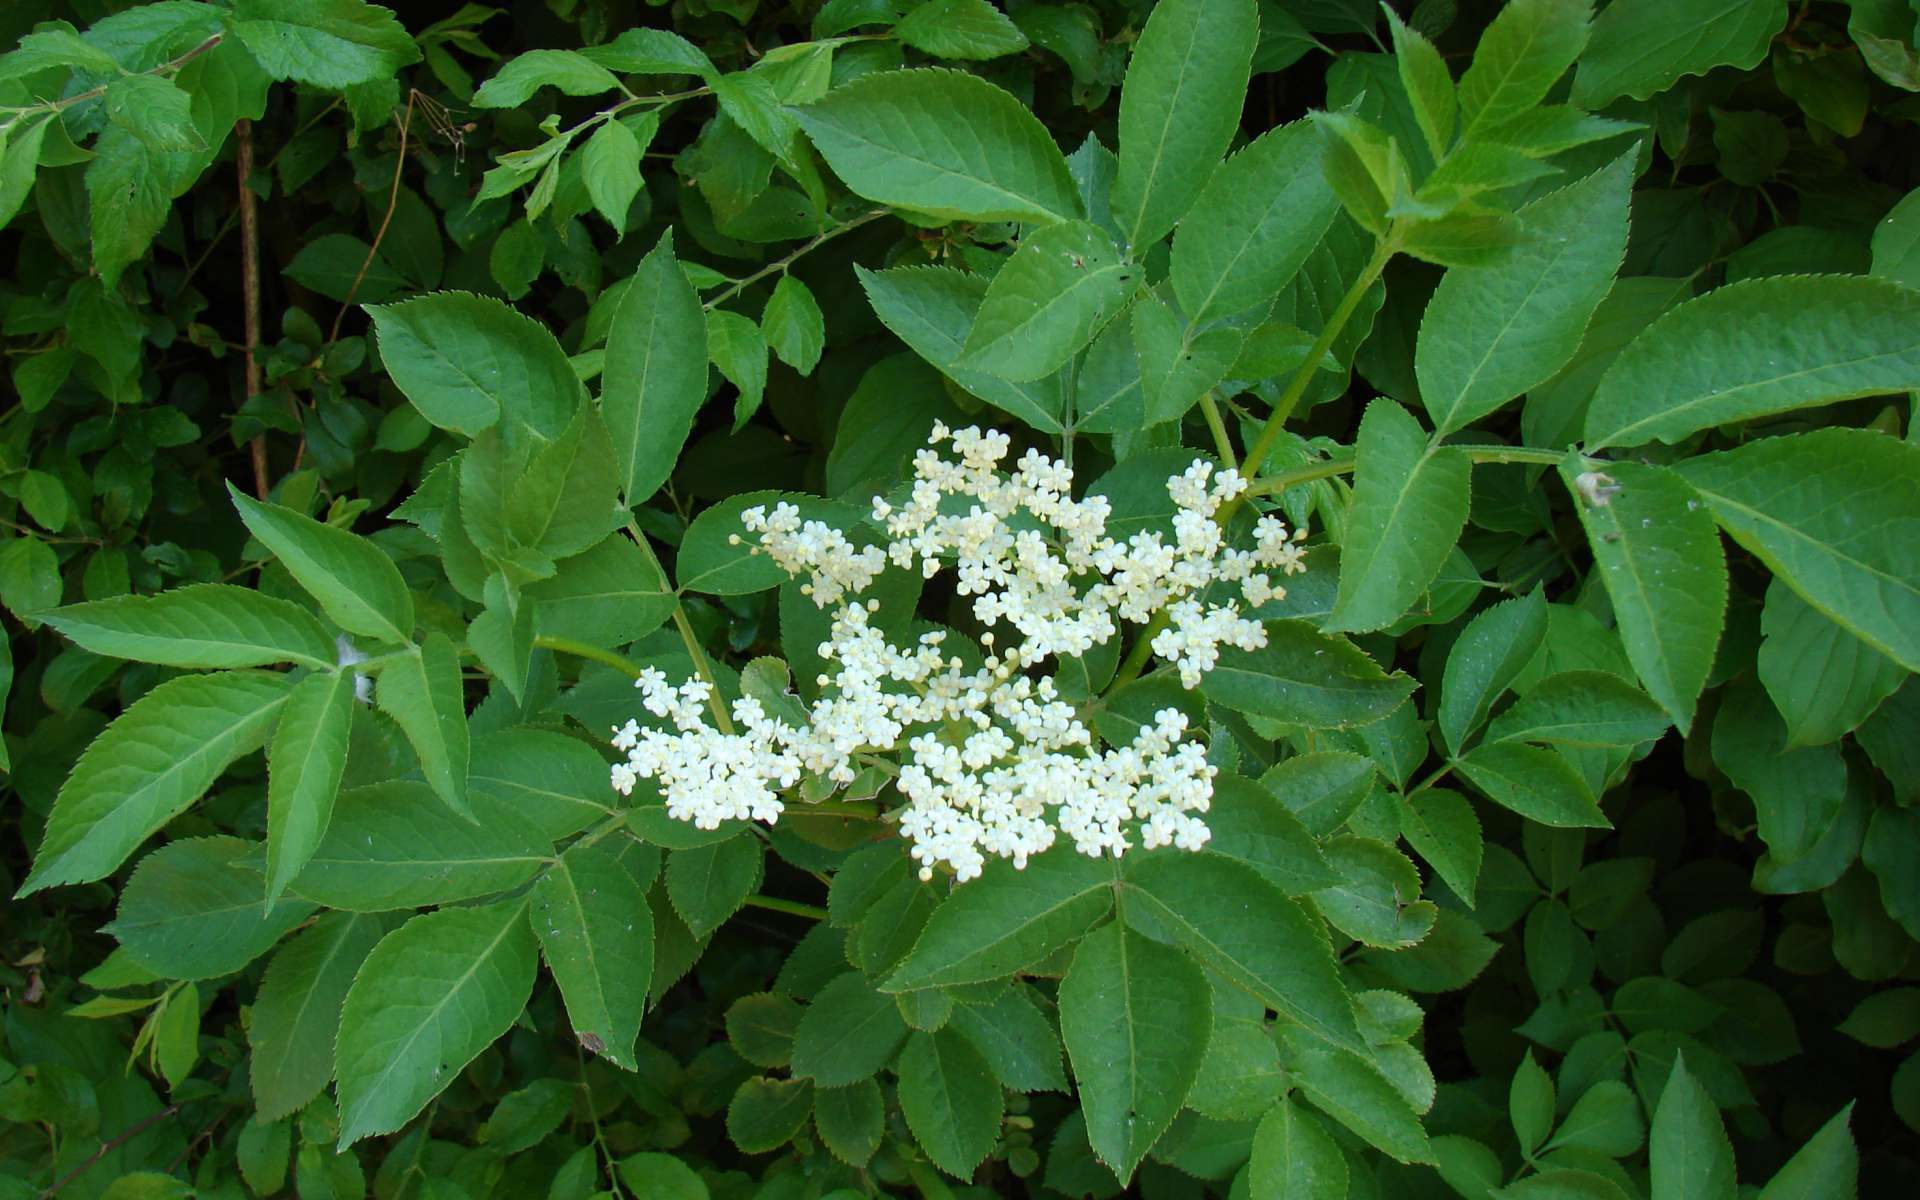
(991, 760)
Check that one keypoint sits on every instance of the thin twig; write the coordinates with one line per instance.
(250, 290)
(740, 285)
(393, 200)
(133, 1131)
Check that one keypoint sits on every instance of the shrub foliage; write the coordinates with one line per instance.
(387, 390)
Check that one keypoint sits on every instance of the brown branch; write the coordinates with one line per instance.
(133, 1131)
(393, 200)
(250, 290)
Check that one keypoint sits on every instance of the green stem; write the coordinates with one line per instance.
(618, 662)
(739, 285)
(698, 653)
(163, 70)
(1383, 251)
(1221, 442)
(791, 907)
(1327, 468)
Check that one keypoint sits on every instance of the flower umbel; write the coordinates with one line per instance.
(990, 757)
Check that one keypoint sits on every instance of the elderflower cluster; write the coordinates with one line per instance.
(991, 760)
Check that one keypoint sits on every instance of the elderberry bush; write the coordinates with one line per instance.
(962, 598)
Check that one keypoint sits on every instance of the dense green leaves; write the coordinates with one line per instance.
(335, 44)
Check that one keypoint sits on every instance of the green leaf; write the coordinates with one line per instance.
(19, 166)
(355, 582)
(1135, 1017)
(1441, 825)
(1178, 364)
(765, 1114)
(960, 29)
(469, 362)
(1007, 919)
(661, 1175)
(1305, 677)
(146, 768)
(591, 917)
(739, 350)
(1489, 653)
(1660, 559)
(610, 165)
(848, 1033)
(1641, 47)
(1688, 1151)
(420, 689)
(130, 193)
(850, 1121)
(1252, 824)
(951, 1101)
(1796, 792)
(1428, 83)
(201, 626)
(1832, 513)
(1376, 899)
(1253, 225)
(708, 884)
(297, 1011)
(332, 44)
(1179, 107)
(942, 143)
(656, 372)
(1581, 708)
(931, 309)
(1047, 301)
(188, 913)
(1530, 1104)
(1410, 499)
(1534, 782)
(1758, 347)
(393, 845)
(572, 73)
(432, 995)
(262, 1154)
(717, 555)
(1885, 1019)
(563, 501)
(304, 765)
(793, 325)
(1822, 679)
(1826, 1168)
(1896, 241)
(525, 1117)
(1016, 1040)
(1604, 1120)
(609, 595)
(1347, 1087)
(1493, 332)
(1243, 928)
(760, 1028)
(554, 780)
(1522, 54)
(1293, 1156)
